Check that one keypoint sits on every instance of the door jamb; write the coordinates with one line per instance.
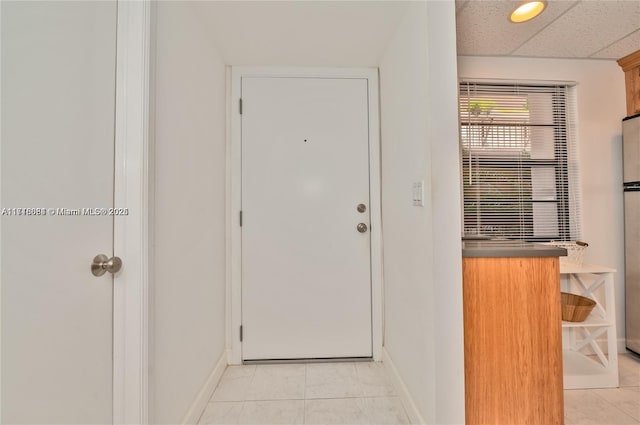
(234, 204)
(131, 190)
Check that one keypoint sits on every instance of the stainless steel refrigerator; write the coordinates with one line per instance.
(631, 172)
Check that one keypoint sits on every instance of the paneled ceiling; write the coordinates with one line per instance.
(596, 29)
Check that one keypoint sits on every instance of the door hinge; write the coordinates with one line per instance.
(240, 333)
(240, 218)
(240, 106)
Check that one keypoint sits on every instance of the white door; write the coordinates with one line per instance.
(58, 88)
(306, 268)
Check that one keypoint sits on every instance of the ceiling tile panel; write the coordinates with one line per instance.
(621, 48)
(483, 26)
(585, 29)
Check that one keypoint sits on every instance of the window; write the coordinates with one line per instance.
(519, 162)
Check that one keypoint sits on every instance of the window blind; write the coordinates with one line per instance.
(519, 168)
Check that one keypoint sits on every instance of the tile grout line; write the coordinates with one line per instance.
(633, 416)
(253, 377)
(362, 401)
(308, 399)
(304, 402)
(244, 402)
(365, 406)
(612, 405)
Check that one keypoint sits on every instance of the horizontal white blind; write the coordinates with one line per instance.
(518, 149)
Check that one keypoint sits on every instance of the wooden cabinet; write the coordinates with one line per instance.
(513, 341)
(630, 64)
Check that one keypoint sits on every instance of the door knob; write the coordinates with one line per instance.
(102, 264)
(361, 227)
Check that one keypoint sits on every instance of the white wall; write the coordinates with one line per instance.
(422, 245)
(407, 230)
(445, 197)
(301, 33)
(422, 256)
(601, 107)
(189, 230)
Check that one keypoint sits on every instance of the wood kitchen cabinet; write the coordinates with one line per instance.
(630, 64)
(513, 340)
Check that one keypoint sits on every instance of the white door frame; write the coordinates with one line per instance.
(234, 198)
(131, 190)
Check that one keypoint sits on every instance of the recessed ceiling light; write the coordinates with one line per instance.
(527, 10)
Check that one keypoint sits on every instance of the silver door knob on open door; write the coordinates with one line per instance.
(102, 264)
(361, 227)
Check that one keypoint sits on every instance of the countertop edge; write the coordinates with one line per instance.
(510, 249)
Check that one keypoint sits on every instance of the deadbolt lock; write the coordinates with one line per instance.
(362, 208)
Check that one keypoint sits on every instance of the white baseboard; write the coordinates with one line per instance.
(622, 345)
(407, 401)
(200, 403)
(233, 358)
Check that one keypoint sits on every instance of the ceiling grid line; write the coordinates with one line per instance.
(544, 27)
(617, 41)
(566, 29)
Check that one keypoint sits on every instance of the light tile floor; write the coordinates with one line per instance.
(314, 393)
(610, 406)
(361, 393)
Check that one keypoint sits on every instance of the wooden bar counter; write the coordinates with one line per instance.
(512, 333)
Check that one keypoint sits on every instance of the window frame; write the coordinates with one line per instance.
(506, 160)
